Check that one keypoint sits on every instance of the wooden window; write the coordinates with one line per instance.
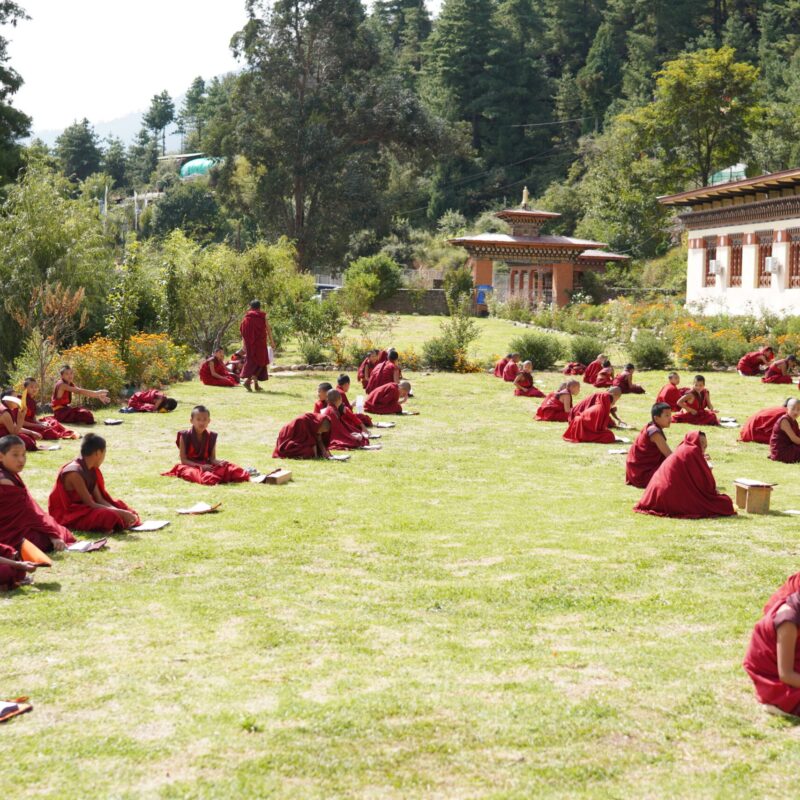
(709, 279)
(735, 265)
(794, 259)
(764, 252)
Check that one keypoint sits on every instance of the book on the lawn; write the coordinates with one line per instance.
(199, 508)
(88, 545)
(151, 525)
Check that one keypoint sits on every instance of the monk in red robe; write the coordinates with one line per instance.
(63, 410)
(500, 366)
(605, 377)
(523, 383)
(322, 397)
(385, 372)
(151, 401)
(650, 449)
(574, 368)
(511, 369)
(256, 332)
(20, 515)
(13, 571)
(388, 399)
(758, 428)
(306, 436)
(343, 385)
(11, 420)
(672, 392)
(594, 399)
(784, 442)
(695, 405)
(47, 427)
(684, 486)
(198, 451)
(213, 371)
(557, 405)
(342, 435)
(593, 426)
(236, 362)
(79, 499)
(372, 359)
(593, 369)
(755, 363)
(780, 371)
(625, 381)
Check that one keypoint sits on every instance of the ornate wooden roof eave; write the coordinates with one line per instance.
(720, 191)
(772, 210)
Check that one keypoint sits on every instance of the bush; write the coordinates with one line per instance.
(311, 352)
(153, 358)
(540, 348)
(388, 273)
(732, 346)
(458, 286)
(317, 323)
(695, 346)
(410, 360)
(97, 365)
(440, 353)
(39, 360)
(516, 309)
(356, 297)
(585, 349)
(648, 351)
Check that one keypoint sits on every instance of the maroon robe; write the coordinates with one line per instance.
(10, 577)
(381, 375)
(591, 372)
(777, 372)
(510, 371)
(574, 368)
(605, 378)
(147, 401)
(342, 437)
(750, 364)
(758, 428)
(552, 408)
(524, 386)
(298, 438)
(49, 427)
(254, 336)
(593, 425)
(364, 419)
(199, 449)
(670, 395)
(384, 400)
(700, 402)
(644, 457)
(500, 366)
(586, 403)
(64, 411)
(623, 380)
(207, 378)
(13, 412)
(781, 447)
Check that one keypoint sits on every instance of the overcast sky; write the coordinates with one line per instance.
(102, 59)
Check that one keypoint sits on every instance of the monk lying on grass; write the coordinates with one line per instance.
(151, 401)
(20, 515)
(11, 420)
(594, 424)
(198, 451)
(63, 410)
(684, 486)
(695, 405)
(306, 436)
(79, 500)
(389, 399)
(671, 392)
(780, 371)
(625, 381)
(784, 442)
(523, 383)
(758, 428)
(557, 405)
(650, 449)
(593, 369)
(343, 385)
(213, 371)
(46, 427)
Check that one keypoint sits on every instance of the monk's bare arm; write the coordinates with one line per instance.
(708, 402)
(97, 394)
(683, 404)
(787, 639)
(5, 482)
(7, 421)
(27, 566)
(185, 460)
(321, 449)
(661, 443)
(75, 483)
(212, 458)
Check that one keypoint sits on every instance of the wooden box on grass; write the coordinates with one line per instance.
(753, 496)
(279, 477)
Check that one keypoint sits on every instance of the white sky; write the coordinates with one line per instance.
(103, 59)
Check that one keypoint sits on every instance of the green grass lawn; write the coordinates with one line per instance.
(475, 611)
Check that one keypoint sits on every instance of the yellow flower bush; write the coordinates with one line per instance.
(97, 365)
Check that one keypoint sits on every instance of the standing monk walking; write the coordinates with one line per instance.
(256, 333)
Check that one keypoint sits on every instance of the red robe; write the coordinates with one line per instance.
(777, 373)
(750, 364)
(700, 403)
(592, 425)
(670, 395)
(590, 375)
(684, 486)
(587, 403)
(64, 411)
(524, 386)
(364, 419)
(623, 380)
(10, 577)
(759, 427)
(67, 509)
(552, 409)
(574, 368)
(298, 438)
(22, 518)
(789, 587)
(605, 378)
(510, 371)
(499, 367)
(208, 379)
(644, 457)
(761, 659)
(366, 367)
(781, 447)
(48, 427)
(342, 437)
(384, 400)
(146, 401)
(254, 336)
(199, 449)
(13, 412)
(382, 374)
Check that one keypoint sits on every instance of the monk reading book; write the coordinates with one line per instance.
(256, 334)
(385, 372)
(372, 359)
(684, 486)
(21, 517)
(79, 499)
(198, 451)
(47, 427)
(594, 399)
(784, 442)
(342, 436)
(322, 397)
(695, 406)
(625, 381)
(343, 385)
(523, 383)
(594, 424)
(511, 369)
(758, 428)
(593, 369)
(388, 399)
(574, 368)
(151, 401)
(557, 405)
(213, 371)
(671, 392)
(306, 436)
(500, 366)
(650, 449)
(11, 419)
(605, 377)
(780, 371)
(63, 410)
(756, 362)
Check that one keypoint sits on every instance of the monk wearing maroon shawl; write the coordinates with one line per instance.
(650, 449)
(342, 436)
(385, 372)
(784, 443)
(256, 332)
(593, 369)
(63, 410)
(625, 381)
(151, 401)
(11, 422)
(511, 369)
(198, 451)
(574, 368)
(557, 405)
(372, 359)
(79, 499)
(593, 426)
(47, 427)
(752, 364)
(306, 436)
(500, 366)
(671, 392)
(343, 385)
(236, 362)
(213, 371)
(388, 399)
(594, 399)
(780, 371)
(758, 428)
(684, 486)
(523, 383)
(322, 397)
(605, 377)
(696, 406)
(20, 515)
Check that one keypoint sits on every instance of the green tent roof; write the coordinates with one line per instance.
(198, 166)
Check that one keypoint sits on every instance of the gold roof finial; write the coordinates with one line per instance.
(526, 197)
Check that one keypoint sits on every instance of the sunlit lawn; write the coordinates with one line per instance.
(472, 612)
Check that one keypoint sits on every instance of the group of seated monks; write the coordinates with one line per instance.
(763, 363)
(777, 427)
(600, 374)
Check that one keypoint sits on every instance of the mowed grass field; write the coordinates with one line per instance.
(474, 611)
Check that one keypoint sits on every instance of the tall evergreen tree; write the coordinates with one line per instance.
(193, 113)
(78, 151)
(115, 162)
(158, 116)
(14, 125)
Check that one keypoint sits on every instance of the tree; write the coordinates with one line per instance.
(14, 125)
(115, 162)
(193, 113)
(158, 116)
(78, 151)
(142, 158)
(387, 272)
(192, 207)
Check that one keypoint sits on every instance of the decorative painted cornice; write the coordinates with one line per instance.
(761, 211)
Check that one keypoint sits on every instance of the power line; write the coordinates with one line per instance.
(555, 122)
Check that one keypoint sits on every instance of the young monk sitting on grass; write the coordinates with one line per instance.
(13, 571)
(523, 383)
(306, 436)
(758, 428)
(671, 392)
(684, 486)
(236, 362)
(695, 406)
(343, 385)
(20, 515)
(342, 436)
(557, 405)
(372, 359)
(511, 369)
(593, 426)
(79, 499)
(594, 399)
(11, 421)
(755, 363)
(214, 373)
(593, 369)
(605, 378)
(780, 371)
(198, 451)
(63, 410)
(784, 442)
(388, 399)
(151, 401)
(322, 397)
(650, 449)
(385, 372)
(574, 368)
(47, 427)
(500, 366)
(625, 381)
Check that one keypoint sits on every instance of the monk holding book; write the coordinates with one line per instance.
(342, 436)
(65, 388)
(755, 363)
(523, 383)
(343, 385)
(213, 371)
(695, 406)
(47, 427)
(650, 449)
(758, 428)
(306, 436)
(557, 405)
(388, 399)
